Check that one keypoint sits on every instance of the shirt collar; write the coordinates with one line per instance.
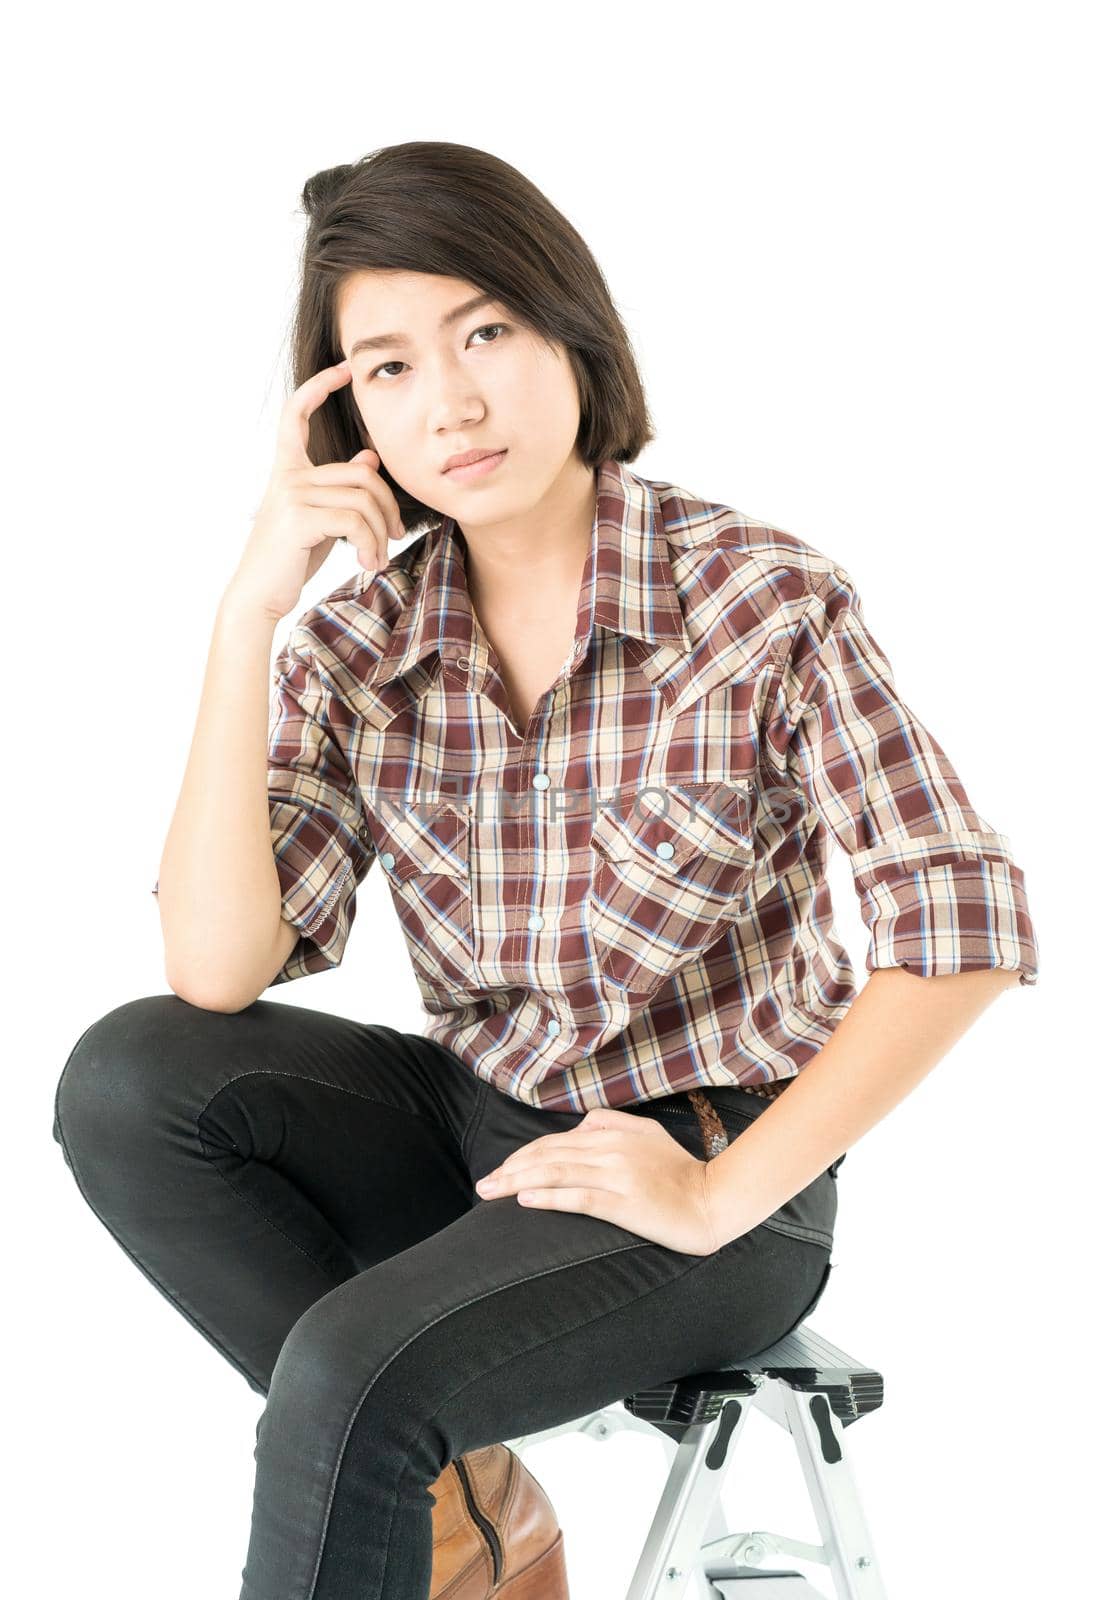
(627, 585)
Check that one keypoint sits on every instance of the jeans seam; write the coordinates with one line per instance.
(259, 1212)
(641, 1244)
(800, 1231)
(301, 1077)
(472, 1129)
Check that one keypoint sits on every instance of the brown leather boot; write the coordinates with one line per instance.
(495, 1533)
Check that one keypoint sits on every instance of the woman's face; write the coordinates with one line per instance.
(437, 387)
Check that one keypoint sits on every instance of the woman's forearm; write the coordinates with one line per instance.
(218, 890)
(898, 1027)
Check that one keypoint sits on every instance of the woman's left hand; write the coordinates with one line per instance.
(623, 1168)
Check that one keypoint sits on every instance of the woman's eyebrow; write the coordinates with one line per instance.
(376, 341)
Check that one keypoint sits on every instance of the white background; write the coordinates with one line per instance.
(860, 252)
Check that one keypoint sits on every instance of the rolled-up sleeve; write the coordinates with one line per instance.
(939, 888)
(321, 845)
(322, 848)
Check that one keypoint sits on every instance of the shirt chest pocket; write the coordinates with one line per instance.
(667, 881)
(425, 853)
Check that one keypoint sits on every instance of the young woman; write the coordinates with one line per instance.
(598, 733)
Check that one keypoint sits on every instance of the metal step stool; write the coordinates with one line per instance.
(815, 1391)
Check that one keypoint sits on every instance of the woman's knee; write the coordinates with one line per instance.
(358, 1357)
(121, 1073)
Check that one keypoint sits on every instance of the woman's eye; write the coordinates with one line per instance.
(485, 328)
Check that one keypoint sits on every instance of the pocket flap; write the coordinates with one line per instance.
(413, 839)
(668, 825)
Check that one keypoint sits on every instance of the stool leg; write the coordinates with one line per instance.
(691, 1494)
(819, 1437)
(717, 1528)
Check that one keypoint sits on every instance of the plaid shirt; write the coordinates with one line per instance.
(629, 900)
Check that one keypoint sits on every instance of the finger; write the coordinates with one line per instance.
(343, 497)
(555, 1175)
(570, 1143)
(612, 1117)
(396, 528)
(590, 1202)
(293, 425)
(340, 522)
(346, 471)
(360, 474)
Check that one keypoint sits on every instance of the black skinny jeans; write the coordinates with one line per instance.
(301, 1187)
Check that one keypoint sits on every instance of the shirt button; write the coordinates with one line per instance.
(665, 850)
(554, 1026)
(535, 921)
(540, 781)
(463, 662)
(387, 859)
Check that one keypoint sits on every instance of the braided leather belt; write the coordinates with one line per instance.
(711, 1124)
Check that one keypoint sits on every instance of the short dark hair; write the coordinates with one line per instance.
(433, 206)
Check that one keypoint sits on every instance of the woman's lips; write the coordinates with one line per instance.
(476, 469)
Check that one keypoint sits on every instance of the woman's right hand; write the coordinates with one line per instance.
(306, 507)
